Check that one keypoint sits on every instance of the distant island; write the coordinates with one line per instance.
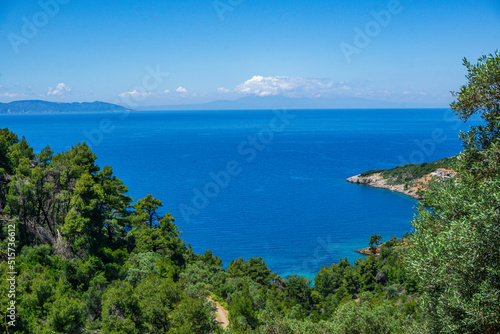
(410, 180)
(290, 103)
(245, 103)
(39, 107)
(279, 102)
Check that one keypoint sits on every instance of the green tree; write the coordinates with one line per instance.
(329, 279)
(65, 171)
(141, 265)
(66, 315)
(455, 253)
(202, 279)
(85, 220)
(7, 139)
(158, 298)
(255, 268)
(242, 314)
(37, 289)
(45, 156)
(194, 316)
(153, 232)
(375, 240)
(20, 150)
(92, 298)
(363, 318)
(114, 203)
(121, 312)
(210, 259)
(481, 95)
(146, 212)
(298, 291)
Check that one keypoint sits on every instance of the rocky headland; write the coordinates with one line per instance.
(411, 180)
(378, 181)
(368, 251)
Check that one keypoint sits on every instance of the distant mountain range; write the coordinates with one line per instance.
(38, 106)
(245, 103)
(282, 102)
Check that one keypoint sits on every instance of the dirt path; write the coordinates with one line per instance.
(221, 314)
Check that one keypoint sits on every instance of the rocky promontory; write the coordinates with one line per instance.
(368, 251)
(411, 180)
(378, 181)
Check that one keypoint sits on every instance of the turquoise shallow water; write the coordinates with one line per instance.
(286, 198)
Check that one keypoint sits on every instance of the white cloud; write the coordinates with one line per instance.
(135, 93)
(166, 91)
(317, 88)
(223, 90)
(60, 89)
(181, 90)
(287, 86)
(9, 95)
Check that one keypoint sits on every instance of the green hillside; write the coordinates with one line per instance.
(410, 172)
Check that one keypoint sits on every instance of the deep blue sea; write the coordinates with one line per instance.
(281, 191)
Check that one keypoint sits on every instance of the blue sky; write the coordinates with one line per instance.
(121, 51)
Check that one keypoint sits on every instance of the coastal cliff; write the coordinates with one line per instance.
(411, 180)
(378, 181)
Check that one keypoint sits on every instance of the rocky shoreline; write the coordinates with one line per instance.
(368, 251)
(377, 180)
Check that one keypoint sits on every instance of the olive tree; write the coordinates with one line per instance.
(455, 253)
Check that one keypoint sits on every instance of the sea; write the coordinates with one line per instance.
(262, 183)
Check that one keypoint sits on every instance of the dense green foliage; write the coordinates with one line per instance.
(410, 172)
(375, 240)
(87, 258)
(455, 254)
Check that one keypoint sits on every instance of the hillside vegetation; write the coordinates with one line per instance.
(411, 172)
